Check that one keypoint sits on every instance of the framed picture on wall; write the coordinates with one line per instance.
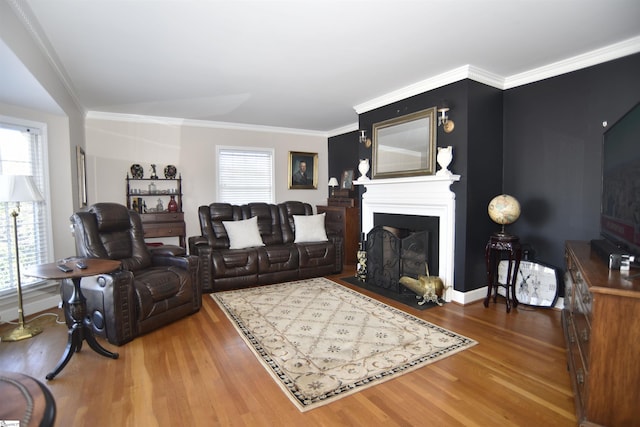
(303, 170)
(346, 182)
(82, 176)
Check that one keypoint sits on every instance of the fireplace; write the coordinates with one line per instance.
(393, 253)
(428, 196)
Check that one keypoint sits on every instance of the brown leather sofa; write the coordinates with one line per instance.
(152, 289)
(279, 260)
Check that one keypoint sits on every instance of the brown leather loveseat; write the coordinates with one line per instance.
(279, 253)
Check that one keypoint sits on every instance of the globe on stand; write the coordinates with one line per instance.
(504, 210)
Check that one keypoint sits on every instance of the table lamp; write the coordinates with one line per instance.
(333, 183)
(19, 188)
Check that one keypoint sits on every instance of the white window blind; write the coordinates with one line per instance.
(245, 175)
(22, 152)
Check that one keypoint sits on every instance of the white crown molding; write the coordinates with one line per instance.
(171, 121)
(344, 129)
(595, 57)
(414, 89)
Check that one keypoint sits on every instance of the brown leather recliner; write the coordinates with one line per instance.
(150, 290)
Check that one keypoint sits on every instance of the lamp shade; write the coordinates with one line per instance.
(18, 188)
(333, 182)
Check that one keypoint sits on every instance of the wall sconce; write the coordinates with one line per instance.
(363, 138)
(333, 183)
(443, 119)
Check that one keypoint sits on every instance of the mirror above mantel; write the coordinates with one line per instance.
(405, 146)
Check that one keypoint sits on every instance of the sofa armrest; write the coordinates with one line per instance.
(189, 263)
(197, 242)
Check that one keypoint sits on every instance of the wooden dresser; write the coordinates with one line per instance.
(344, 220)
(601, 321)
(164, 224)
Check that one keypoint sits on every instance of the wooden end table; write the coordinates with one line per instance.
(501, 243)
(81, 329)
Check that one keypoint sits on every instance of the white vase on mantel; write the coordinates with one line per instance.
(444, 158)
(363, 168)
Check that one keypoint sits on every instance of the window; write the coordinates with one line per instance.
(22, 152)
(245, 175)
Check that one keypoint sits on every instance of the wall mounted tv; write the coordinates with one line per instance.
(620, 210)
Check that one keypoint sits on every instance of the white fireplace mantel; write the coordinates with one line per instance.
(421, 195)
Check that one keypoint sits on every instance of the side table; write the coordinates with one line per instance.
(500, 244)
(81, 329)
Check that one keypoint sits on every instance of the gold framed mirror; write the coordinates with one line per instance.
(406, 145)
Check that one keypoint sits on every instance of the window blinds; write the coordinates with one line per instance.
(245, 175)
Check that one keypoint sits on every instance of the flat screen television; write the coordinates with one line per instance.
(620, 207)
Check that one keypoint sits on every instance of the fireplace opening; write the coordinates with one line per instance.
(401, 245)
(414, 223)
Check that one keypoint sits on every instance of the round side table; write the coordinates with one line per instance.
(81, 329)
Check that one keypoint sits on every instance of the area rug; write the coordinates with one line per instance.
(322, 341)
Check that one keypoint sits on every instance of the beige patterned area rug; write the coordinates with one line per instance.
(322, 341)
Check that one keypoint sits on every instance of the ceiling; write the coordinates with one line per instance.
(305, 64)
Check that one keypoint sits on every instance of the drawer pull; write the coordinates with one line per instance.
(580, 376)
(584, 335)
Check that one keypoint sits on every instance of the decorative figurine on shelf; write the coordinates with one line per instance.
(173, 205)
(444, 157)
(170, 172)
(363, 168)
(154, 175)
(159, 206)
(136, 171)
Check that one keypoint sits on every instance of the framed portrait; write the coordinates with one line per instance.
(81, 162)
(303, 170)
(346, 181)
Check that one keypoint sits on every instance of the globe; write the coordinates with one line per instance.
(504, 209)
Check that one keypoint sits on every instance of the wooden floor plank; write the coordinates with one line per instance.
(199, 372)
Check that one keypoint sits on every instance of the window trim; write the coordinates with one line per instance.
(9, 296)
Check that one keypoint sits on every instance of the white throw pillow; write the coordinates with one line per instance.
(243, 234)
(310, 228)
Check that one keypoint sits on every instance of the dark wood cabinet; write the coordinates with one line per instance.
(601, 321)
(165, 224)
(345, 221)
(145, 195)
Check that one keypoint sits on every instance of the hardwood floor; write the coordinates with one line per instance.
(199, 372)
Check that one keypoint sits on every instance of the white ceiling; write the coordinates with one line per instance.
(305, 64)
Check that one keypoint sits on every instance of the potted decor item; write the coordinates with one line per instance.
(173, 205)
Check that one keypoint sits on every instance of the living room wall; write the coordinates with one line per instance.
(550, 159)
(114, 144)
(553, 151)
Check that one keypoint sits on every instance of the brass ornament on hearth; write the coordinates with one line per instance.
(429, 288)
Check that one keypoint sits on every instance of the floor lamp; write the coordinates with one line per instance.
(19, 188)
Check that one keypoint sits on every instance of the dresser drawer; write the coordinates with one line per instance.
(162, 229)
(162, 217)
(579, 369)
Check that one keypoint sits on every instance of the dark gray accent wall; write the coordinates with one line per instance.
(540, 142)
(553, 151)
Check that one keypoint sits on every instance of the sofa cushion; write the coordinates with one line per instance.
(309, 228)
(243, 234)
